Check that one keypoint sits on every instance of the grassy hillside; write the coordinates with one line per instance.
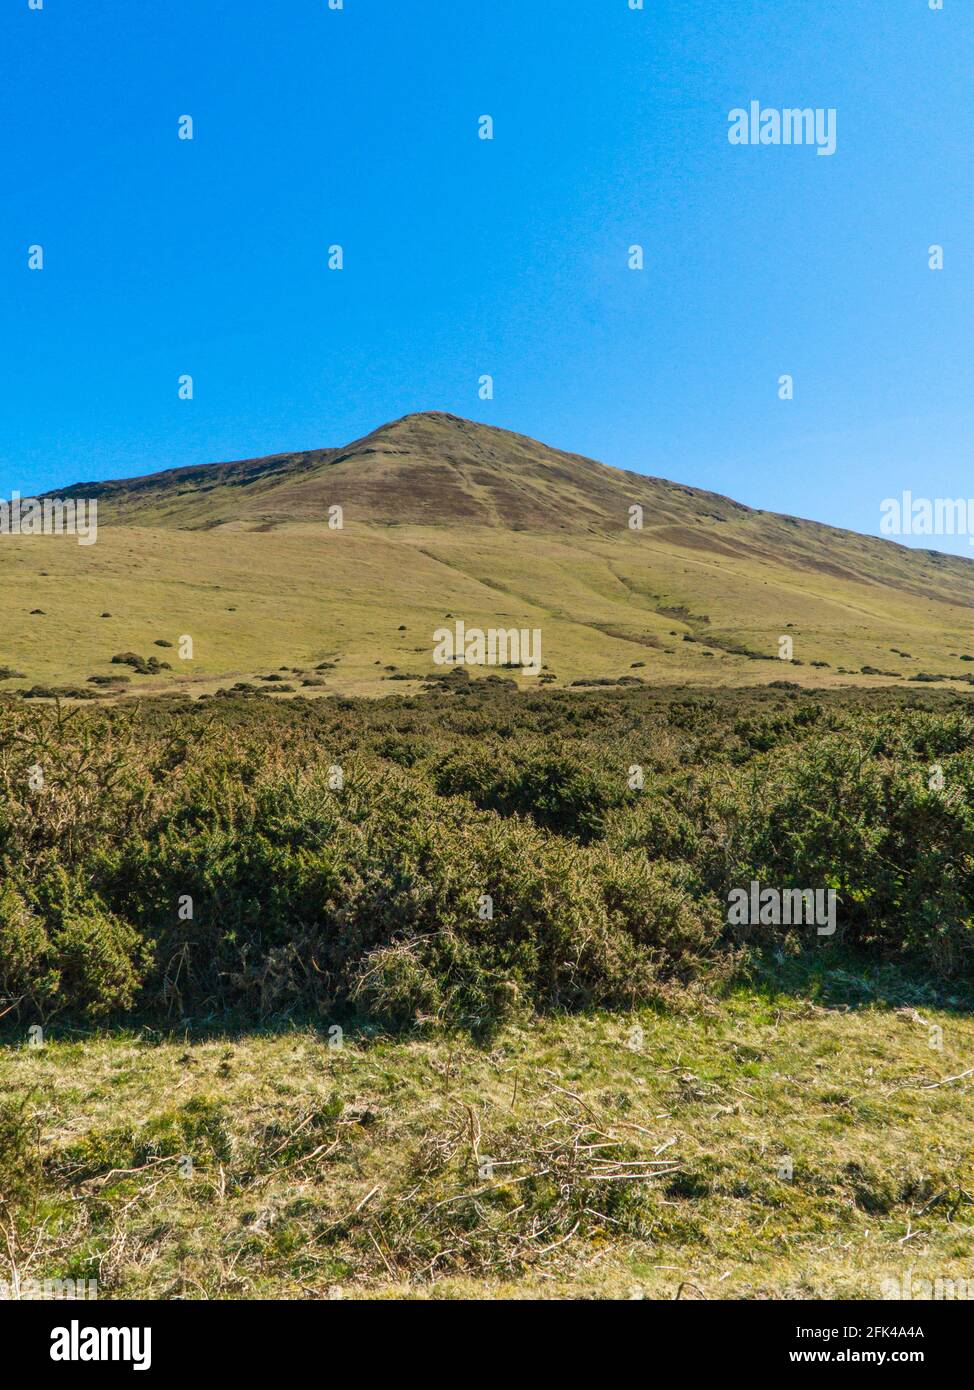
(448, 519)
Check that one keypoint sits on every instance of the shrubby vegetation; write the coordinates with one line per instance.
(483, 852)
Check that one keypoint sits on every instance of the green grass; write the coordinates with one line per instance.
(444, 517)
(359, 1170)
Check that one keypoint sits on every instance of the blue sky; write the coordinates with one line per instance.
(509, 257)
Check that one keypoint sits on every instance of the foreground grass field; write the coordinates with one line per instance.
(364, 1170)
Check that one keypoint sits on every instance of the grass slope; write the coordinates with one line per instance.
(446, 517)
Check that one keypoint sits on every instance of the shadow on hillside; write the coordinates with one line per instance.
(831, 977)
(834, 977)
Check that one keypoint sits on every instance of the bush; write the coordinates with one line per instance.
(483, 856)
(71, 954)
(549, 786)
(28, 979)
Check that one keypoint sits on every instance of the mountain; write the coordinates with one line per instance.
(443, 519)
(426, 469)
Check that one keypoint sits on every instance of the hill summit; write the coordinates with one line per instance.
(429, 468)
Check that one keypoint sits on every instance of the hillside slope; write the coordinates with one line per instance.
(444, 518)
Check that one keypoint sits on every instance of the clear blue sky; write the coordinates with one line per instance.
(465, 257)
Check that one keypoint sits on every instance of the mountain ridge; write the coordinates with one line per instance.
(407, 437)
(288, 465)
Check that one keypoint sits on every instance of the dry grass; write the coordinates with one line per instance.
(574, 1157)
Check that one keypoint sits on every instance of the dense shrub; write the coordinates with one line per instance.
(899, 854)
(477, 856)
(26, 968)
(72, 954)
(379, 893)
(550, 786)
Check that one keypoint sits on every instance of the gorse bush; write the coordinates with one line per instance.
(899, 854)
(67, 951)
(299, 891)
(547, 785)
(474, 857)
